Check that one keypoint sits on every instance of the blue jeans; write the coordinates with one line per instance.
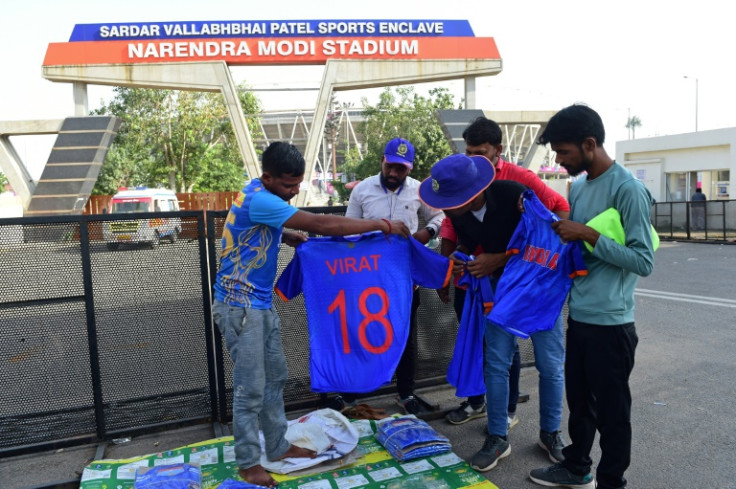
(253, 337)
(549, 358)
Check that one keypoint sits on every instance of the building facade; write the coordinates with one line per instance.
(673, 167)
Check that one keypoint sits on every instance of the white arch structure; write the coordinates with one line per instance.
(215, 77)
(435, 51)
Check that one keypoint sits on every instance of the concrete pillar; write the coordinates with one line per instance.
(10, 162)
(470, 92)
(81, 104)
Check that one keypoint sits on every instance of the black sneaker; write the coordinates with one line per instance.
(553, 443)
(412, 405)
(494, 449)
(558, 476)
(338, 403)
(465, 413)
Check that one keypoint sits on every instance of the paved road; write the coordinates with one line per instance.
(683, 387)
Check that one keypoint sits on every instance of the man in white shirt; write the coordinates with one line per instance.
(393, 194)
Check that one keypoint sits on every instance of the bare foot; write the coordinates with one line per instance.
(257, 475)
(298, 452)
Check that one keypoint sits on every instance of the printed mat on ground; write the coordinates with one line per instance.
(371, 467)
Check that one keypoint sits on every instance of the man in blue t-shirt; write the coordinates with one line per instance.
(243, 292)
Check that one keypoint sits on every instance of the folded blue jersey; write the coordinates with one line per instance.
(407, 438)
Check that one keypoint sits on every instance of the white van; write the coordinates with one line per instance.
(151, 231)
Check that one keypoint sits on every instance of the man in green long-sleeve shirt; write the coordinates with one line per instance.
(601, 337)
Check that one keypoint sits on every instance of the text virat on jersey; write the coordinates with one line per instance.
(352, 264)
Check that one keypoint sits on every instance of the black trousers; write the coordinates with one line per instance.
(598, 362)
(406, 369)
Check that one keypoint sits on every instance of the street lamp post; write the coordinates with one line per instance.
(696, 102)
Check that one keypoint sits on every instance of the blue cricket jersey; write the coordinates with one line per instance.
(250, 247)
(358, 292)
(535, 282)
(465, 370)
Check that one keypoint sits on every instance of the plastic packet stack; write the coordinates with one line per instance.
(175, 476)
(408, 437)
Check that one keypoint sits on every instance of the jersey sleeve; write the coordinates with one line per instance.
(517, 239)
(289, 284)
(271, 210)
(486, 294)
(575, 266)
(428, 268)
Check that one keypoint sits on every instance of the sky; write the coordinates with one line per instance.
(623, 58)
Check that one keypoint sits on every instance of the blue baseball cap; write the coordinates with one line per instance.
(399, 150)
(456, 180)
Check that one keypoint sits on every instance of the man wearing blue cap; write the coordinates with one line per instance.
(392, 194)
(486, 213)
(483, 137)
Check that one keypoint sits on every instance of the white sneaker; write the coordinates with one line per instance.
(513, 421)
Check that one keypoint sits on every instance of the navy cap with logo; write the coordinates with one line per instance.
(399, 150)
(456, 180)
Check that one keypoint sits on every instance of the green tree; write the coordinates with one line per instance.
(3, 182)
(400, 112)
(180, 140)
(631, 124)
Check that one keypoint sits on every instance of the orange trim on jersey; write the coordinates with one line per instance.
(487, 306)
(448, 275)
(578, 273)
(280, 294)
(512, 251)
(248, 51)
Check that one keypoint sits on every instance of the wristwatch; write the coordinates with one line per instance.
(432, 232)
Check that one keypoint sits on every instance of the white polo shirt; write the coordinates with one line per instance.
(371, 200)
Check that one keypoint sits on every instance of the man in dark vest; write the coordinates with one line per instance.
(486, 212)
